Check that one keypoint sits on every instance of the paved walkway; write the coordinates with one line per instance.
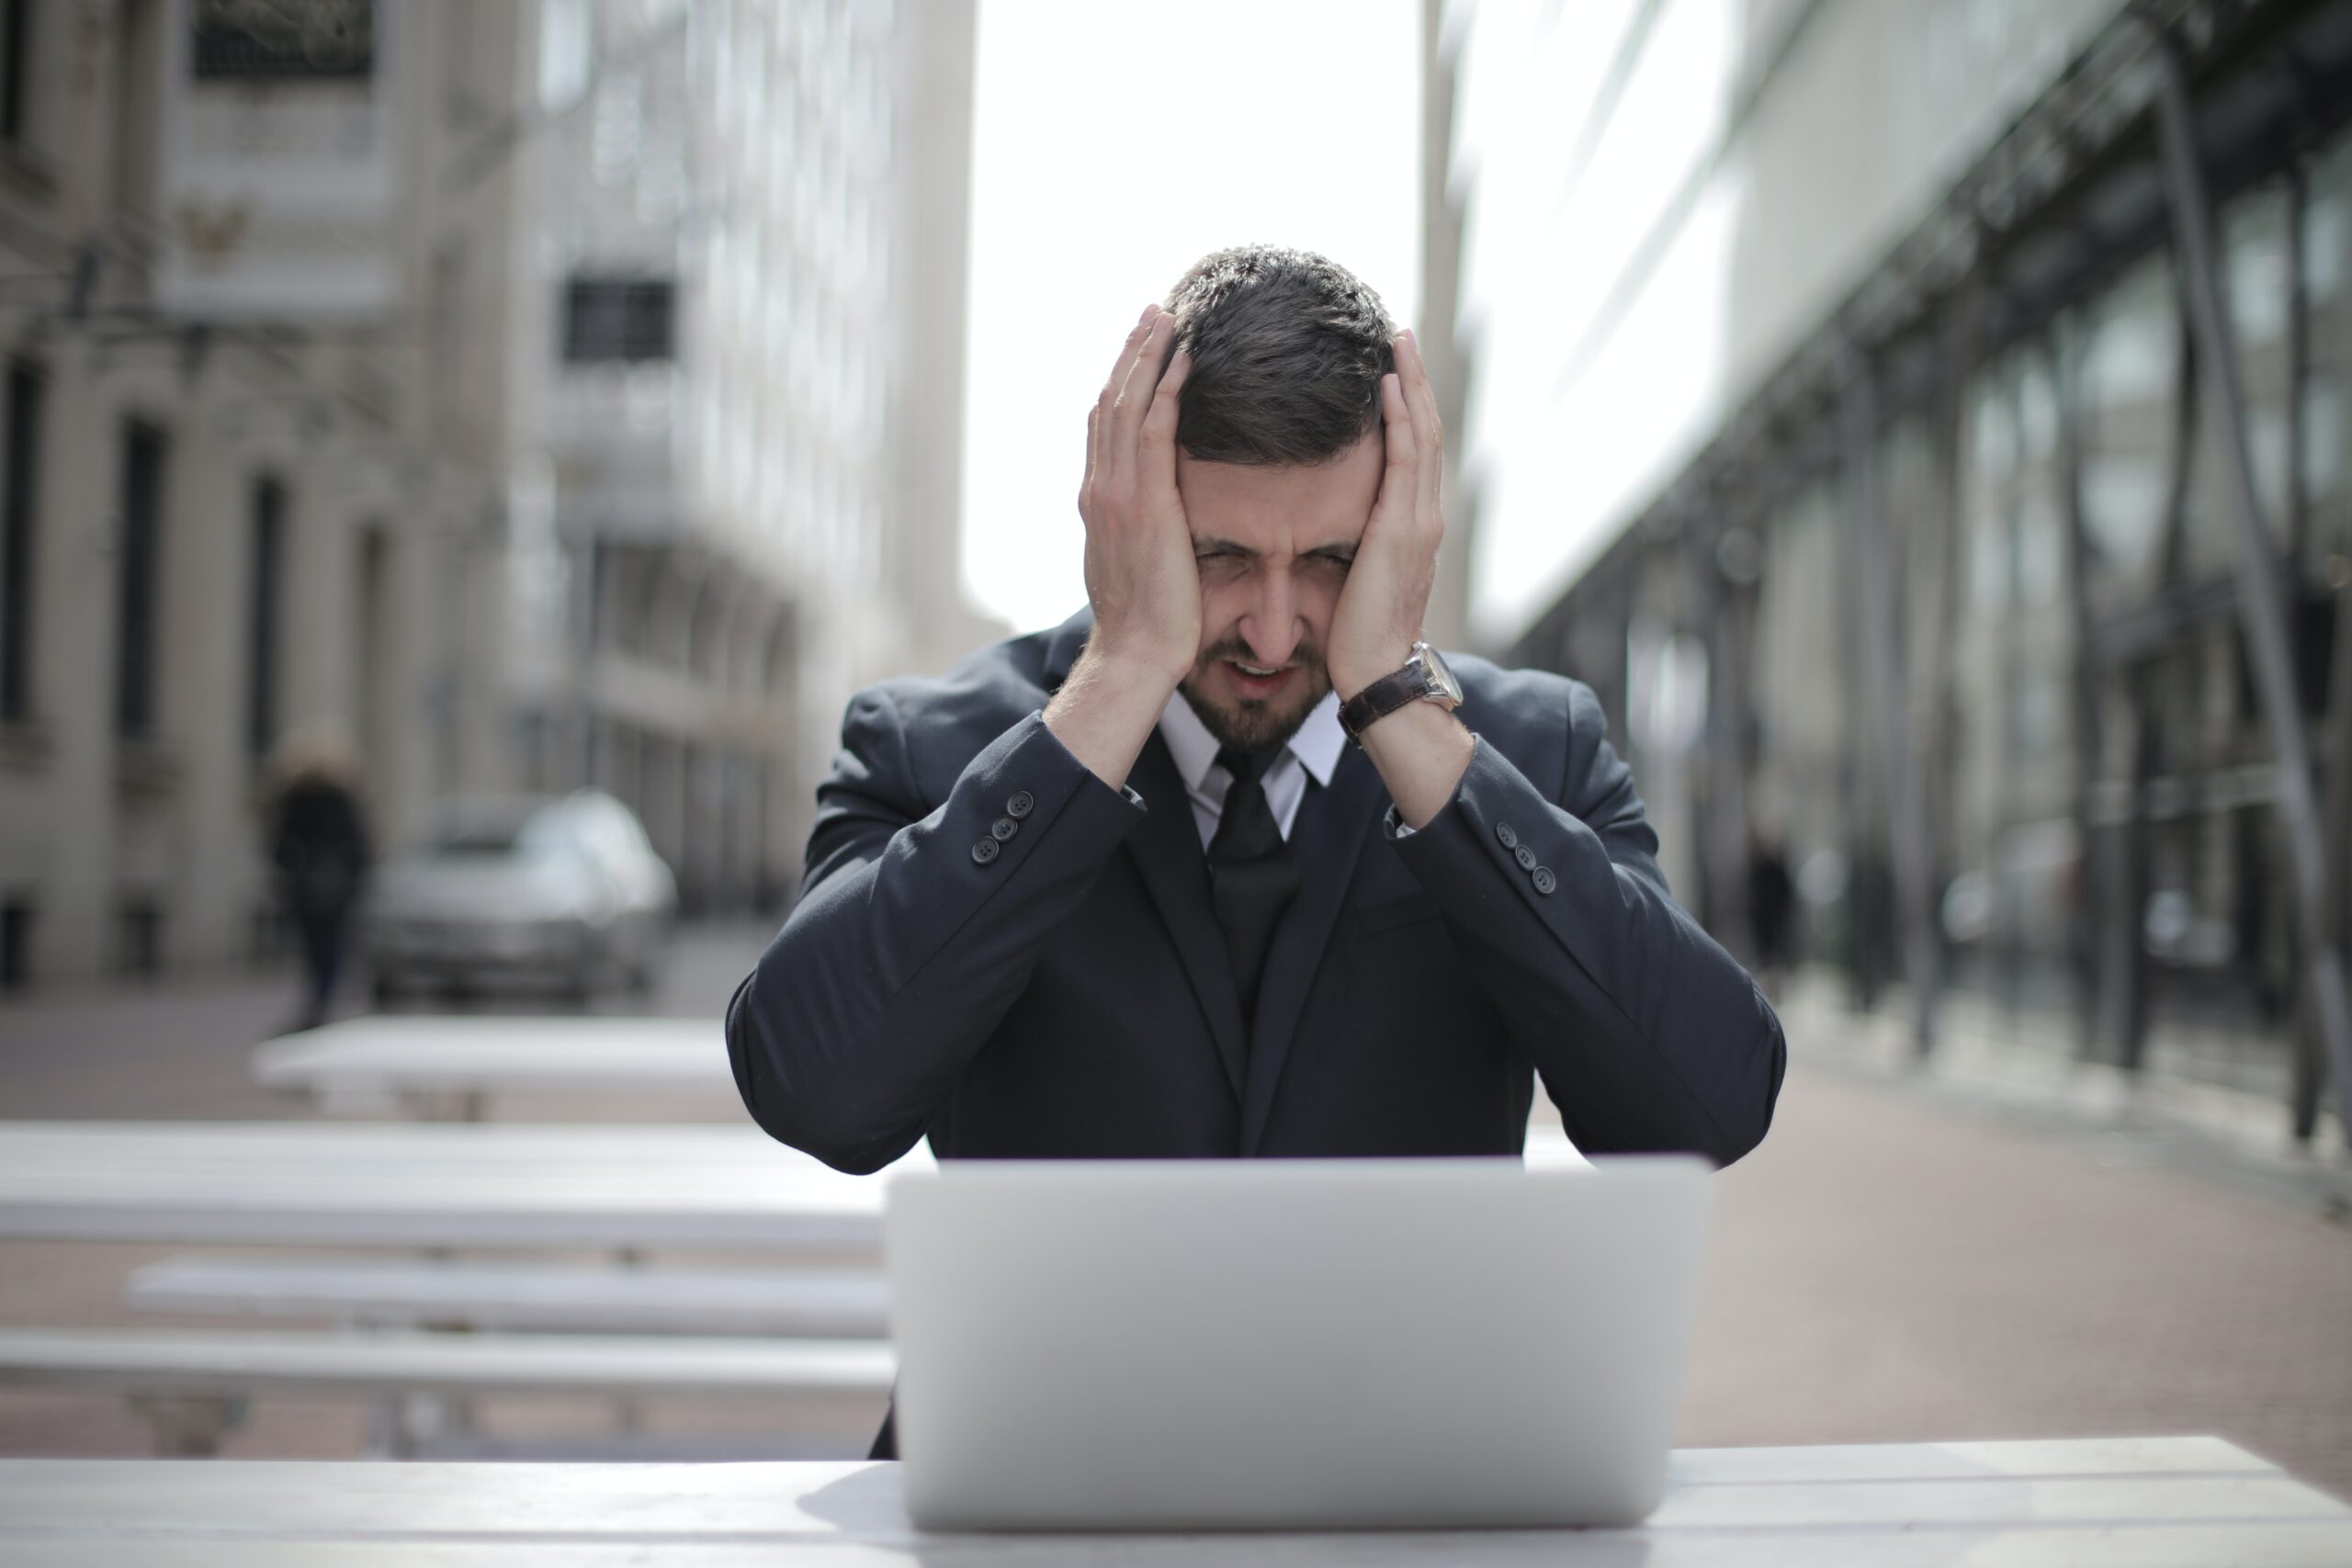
(1889, 1267)
(1897, 1262)
(162, 1052)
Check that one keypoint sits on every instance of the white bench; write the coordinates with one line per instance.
(432, 1185)
(193, 1386)
(826, 1304)
(455, 1068)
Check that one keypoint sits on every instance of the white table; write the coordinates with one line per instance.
(454, 1067)
(2193, 1502)
(430, 1185)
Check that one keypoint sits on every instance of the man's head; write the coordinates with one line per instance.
(1279, 458)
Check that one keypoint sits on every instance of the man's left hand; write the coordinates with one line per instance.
(1387, 592)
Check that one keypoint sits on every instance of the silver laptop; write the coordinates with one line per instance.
(1274, 1344)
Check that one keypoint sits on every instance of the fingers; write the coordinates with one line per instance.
(1413, 373)
(1134, 397)
(1399, 478)
(1119, 367)
(1098, 422)
(1157, 441)
(1420, 399)
(1086, 481)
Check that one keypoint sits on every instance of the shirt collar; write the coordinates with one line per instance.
(1316, 745)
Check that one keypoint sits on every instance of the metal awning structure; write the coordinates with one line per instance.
(2171, 108)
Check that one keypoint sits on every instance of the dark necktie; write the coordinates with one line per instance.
(1252, 877)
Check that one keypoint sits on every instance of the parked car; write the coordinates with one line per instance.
(523, 892)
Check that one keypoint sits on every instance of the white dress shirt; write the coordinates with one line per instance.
(1313, 751)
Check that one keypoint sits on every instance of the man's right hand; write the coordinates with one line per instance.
(1140, 576)
(1139, 573)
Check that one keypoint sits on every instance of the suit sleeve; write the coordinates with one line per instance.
(916, 929)
(1648, 1035)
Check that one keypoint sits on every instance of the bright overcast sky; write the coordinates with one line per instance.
(1114, 143)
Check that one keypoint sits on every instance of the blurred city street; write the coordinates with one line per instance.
(1900, 1260)
(1840, 511)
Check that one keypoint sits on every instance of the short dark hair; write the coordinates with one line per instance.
(1288, 349)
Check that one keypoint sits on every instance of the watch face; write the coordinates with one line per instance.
(1441, 677)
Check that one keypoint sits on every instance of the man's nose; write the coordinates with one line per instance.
(1271, 628)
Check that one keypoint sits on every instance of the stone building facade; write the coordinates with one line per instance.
(526, 392)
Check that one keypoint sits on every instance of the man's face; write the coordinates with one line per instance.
(1273, 547)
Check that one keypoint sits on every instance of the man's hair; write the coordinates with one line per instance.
(1288, 350)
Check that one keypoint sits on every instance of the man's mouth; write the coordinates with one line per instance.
(1257, 681)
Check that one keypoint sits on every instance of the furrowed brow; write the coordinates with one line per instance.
(1205, 543)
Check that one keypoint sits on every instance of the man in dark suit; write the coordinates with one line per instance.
(1127, 888)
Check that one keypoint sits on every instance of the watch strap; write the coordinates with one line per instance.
(1384, 697)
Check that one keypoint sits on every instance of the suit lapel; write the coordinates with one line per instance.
(1333, 825)
(1167, 850)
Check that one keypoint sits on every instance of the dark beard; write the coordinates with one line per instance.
(1254, 726)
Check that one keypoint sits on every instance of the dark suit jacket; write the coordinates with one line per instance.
(1063, 991)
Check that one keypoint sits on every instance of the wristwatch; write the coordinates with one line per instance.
(1424, 679)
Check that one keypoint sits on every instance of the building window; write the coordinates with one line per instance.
(139, 97)
(16, 67)
(373, 651)
(613, 318)
(16, 944)
(2128, 386)
(141, 937)
(445, 329)
(266, 613)
(235, 40)
(18, 491)
(2328, 373)
(144, 454)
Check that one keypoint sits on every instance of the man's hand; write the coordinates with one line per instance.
(1139, 573)
(1380, 610)
(1421, 749)
(1140, 576)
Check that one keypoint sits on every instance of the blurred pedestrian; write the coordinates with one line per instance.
(318, 842)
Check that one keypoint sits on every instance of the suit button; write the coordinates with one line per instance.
(984, 851)
(1021, 804)
(1525, 857)
(1544, 879)
(1003, 829)
(1509, 835)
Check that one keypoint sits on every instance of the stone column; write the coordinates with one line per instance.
(73, 667)
(207, 621)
